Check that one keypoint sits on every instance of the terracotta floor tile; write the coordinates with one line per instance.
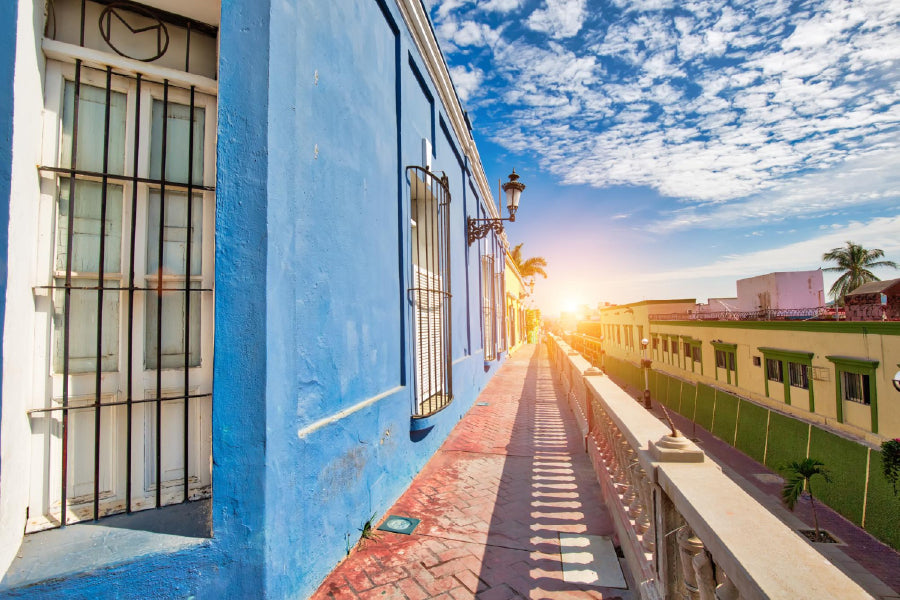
(509, 477)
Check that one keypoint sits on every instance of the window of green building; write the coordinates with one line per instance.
(796, 365)
(726, 361)
(855, 382)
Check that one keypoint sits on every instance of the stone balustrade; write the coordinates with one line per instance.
(687, 531)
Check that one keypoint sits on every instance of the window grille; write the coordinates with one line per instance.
(488, 298)
(799, 375)
(499, 291)
(773, 370)
(133, 209)
(430, 294)
(855, 387)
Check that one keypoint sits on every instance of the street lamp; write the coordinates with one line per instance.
(645, 364)
(478, 228)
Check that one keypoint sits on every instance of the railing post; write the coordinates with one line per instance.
(689, 546)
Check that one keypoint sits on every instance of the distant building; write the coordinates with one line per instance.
(874, 301)
(827, 372)
(779, 291)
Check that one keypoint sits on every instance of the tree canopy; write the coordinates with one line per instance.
(854, 263)
(528, 267)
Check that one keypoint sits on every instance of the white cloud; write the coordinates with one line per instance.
(730, 109)
(466, 82)
(559, 18)
(501, 6)
(873, 179)
(880, 233)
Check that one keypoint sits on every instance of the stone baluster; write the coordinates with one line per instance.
(689, 546)
(644, 522)
(621, 464)
(632, 497)
(606, 449)
(609, 441)
(726, 590)
(704, 570)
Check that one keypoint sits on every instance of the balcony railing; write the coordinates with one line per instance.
(764, 314)
(686, 529)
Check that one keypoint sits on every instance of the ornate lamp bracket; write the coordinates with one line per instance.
(478, 228)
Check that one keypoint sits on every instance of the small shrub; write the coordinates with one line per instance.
(890, 461)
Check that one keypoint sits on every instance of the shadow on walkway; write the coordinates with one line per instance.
(494, 502)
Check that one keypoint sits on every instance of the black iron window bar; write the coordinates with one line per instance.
(488, 298)
(430, 290)
(68, 176)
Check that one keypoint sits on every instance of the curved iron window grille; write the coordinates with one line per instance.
(489, 311)
(430, 291)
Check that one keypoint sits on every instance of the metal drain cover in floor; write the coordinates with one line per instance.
(395, 524)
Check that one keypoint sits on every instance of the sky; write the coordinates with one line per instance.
(671, 147)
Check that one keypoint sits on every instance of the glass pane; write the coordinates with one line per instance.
(173, 329)
(86, 243)
(83, 328)
(91, 127)
(178, 131)
(175, 233)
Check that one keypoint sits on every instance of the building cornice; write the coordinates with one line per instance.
(419, 26)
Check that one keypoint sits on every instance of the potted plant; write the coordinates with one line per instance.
(799, 475)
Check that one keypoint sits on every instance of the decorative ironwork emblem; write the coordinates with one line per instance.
(124, 13)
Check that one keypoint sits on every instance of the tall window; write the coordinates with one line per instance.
(121, 420)
(500, 294)
(856, 392)
(488, 309)
(726, 363)
(773, 370)
(855, 388)
(799, 375)
(790, 368)
(430, 294)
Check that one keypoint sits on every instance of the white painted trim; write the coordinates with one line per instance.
(419, 26)
(317, 425)
(69, 52)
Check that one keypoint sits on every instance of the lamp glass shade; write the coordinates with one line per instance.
(512, 198)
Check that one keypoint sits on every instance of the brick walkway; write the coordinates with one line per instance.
(493, 500)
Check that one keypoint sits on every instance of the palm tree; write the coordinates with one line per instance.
(854, 262)
(799, 475)
(528, 267)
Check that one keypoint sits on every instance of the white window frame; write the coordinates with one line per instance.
(46, 448)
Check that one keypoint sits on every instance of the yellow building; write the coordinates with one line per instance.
(516, 294)
(836, 374)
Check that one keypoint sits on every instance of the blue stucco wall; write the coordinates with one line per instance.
(322, 105)
(8, 14)
(348, 112)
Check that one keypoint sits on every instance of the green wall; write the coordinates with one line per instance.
(726, 416)
(773, 438)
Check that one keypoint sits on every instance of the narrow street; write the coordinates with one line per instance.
(509, 508)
